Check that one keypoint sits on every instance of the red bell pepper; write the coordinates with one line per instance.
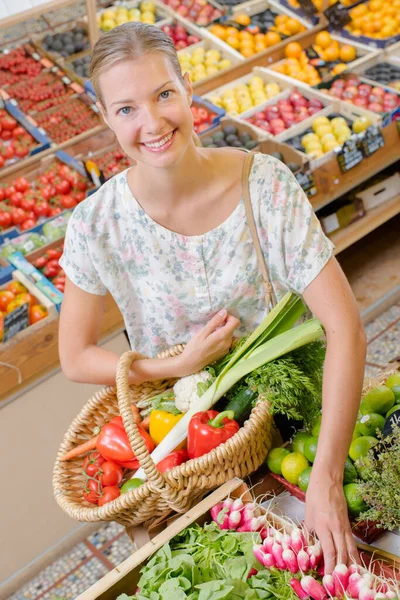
(209, 429)
(114, 445)
(174, 459)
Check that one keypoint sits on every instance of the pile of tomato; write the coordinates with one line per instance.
(48, 264)
(23, 202)
(15, 141)
(68, 120)
(113, 162)
(202, 118)
(18, 65)
(15, 295)
(43, 92)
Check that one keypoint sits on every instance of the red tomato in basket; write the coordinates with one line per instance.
(110, 493)
(93, 491)
(92, 463)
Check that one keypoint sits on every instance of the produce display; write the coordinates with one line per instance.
(373, 98)
(68, 120)
(243, 96)
(229, 135)
(179, 35)
(275, 118)
(202, 63)
(114, 16)
(81, 66)
(385, 73)
(67, 43)
(15, 141)
(29, 242)
(251, 35)
(14, 295)
(48, 264)
(365, 471)
(200, 12)
(24, 202)
(113, 162)
(18, 65)
(299, 65)
(375, 19)
(41, 93)
(202, 118)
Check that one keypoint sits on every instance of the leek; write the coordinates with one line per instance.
(270, 350)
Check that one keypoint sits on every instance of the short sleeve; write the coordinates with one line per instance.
(296, 232)
(77, 261)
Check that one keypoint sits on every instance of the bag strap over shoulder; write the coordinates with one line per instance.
(268, 289)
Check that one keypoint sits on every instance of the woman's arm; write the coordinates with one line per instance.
(83, 361)
(331, 299)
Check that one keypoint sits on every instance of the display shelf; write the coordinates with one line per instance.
(373, 219)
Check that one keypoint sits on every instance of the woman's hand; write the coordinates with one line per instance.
(210, 343)
(326, 515)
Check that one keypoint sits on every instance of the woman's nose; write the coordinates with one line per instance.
(151, 120)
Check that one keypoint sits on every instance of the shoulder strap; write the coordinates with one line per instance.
(268, 290)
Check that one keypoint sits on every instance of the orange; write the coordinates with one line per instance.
(293, 26)
(259, 37)
(331, 54)
(359, 11)
(218, 31)
(375, 5)
(232, 31)
(243, 19)
(247, 52)
(281, 19)
(272, 38)
(293, 50)
(233, 42)
(259, 47)
(339, 69)
(347, 53)
(368, 27)
(245, 35)
(323, 39)
(246, 44)
(280, 68)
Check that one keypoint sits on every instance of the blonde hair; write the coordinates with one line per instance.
(129, 42)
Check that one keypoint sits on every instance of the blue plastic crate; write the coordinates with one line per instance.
(198, 101)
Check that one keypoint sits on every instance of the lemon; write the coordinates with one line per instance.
(299, 440)
(379, 400)
(293, 465)
(350, 473)
(304, 479)
(275, 458)
(361, 446)
(316, 426)
(310, 448)
(320, 121)
(370, 423)
(393, 380)
(355, 502)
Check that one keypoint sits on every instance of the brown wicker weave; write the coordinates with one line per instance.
(175, 490)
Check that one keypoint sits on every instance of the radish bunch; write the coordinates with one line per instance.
(293, 553)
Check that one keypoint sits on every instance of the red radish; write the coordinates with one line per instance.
(298, 590)
(366, 593)
(315, 554)
(341, 578)
(246, 514)
(268, 543)
(259, 553)
(312, 587)
(304, 560)
(264, 533)
(278, 536)
(286, 541)
(234, 519)
(290, 560)
(215, 511)
(354, 585)
(227, 503)
(329, 584)
(252, 525)
(321, 568)
(237, 505)
(277, 554)
(297, 539)
(251, 573)
(223, 520)
(269, 560)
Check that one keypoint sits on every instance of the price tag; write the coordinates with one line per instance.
(54, 69)
(36, 56)
(308, 7)
(66, 80)
(306, 180)
(391, 421)
(372, 140)
(16, 321)
(337, 15)
(350, 154)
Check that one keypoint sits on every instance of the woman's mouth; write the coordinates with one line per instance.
(162, 144)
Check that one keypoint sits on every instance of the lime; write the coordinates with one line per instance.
(131, 484)
(370, 423)
(293, 465)
(392, 410)
(361, 446)
(310, 448)
(396, 392)
(304, 479)
(350, 473)
(299, 440)
(393, 380)
(379, 400)
(355, 502)
(356, 433)
(364, 468)
(275, 458)
(316, 426)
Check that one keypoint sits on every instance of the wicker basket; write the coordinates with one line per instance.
(175, 490)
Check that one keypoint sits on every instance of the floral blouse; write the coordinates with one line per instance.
(169, 285)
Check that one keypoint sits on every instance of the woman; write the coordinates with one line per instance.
(170, 240)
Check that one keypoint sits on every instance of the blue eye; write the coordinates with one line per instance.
(125, 110)
(165, 95)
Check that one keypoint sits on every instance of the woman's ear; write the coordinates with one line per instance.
(103, 114)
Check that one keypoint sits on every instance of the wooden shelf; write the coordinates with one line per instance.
(373, 219)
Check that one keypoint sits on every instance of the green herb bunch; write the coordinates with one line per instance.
(381, 486)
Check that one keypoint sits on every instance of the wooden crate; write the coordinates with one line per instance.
(379, 58)
(124, 578)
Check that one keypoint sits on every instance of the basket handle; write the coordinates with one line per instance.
(124, 404)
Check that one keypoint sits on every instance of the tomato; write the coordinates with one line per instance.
(9, 152)
(27, 224)
(60, 287)
(111, 473)
(18, 216)
(40, 262)
(68, 202)
(79, 197)
(41, 209)
(82, 185)
(202, 115)
(27, 203)
(26, 298)
(92, 463)
(93, 491)
(8, 123)
(5, 220)
(15, 199)
(6, 135)
(18, 132)
(50, 272)
(48, 192)
(9, 191)
(16, 287)
(63, 187)
(21, 150)
(37, 312)
(5, 298)
(2, 162)
(55, 211)
(110, 493)
(22, 184)
(54, 253)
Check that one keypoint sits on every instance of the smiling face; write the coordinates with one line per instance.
(148, 107)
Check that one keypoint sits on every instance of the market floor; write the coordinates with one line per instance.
(88, 561)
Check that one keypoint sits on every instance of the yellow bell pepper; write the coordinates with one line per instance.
(161, 423)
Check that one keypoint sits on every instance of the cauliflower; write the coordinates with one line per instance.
(189, 389)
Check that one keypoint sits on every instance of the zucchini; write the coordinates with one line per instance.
(241, 404)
